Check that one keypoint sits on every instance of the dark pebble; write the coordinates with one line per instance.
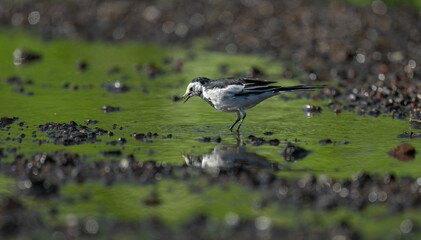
(145, 137)
(310, 109)
(139, 136)
(107, 109)
(403, 152)
(81, 65)
(117, 87)
(6, 121)
(325, 141)
(90, 122)
(292, 152)
(168, 136)
(409, 135)
(274, 142)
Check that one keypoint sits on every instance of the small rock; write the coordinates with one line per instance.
(325, 141)
(139, 136)
(274, 142)
(403, 152)
(409, 135)
(293, 152)
(117, 87)
(309, 110)
(6, 121)
(82, 65)
(107, 109)
(88, 122)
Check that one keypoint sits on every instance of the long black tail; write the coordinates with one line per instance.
(298, 88)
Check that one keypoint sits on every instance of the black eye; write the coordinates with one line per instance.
(191, 89)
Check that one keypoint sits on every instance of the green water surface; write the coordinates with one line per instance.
(147, 107)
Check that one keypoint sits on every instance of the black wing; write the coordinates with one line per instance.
(256, 86)
(246, 82)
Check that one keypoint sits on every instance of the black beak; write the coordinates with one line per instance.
(187, 98)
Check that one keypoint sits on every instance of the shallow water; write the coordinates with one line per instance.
(147, 107)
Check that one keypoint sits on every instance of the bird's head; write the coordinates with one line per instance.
(195, 87)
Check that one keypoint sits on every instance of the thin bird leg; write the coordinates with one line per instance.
(236, 121)
(242, 119)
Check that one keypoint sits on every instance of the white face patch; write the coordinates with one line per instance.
(194, 89)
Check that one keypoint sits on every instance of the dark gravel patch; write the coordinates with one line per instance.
(257, 141)
(72, 133)
(4, 121)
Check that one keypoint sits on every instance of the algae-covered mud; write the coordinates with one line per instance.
(95, 141)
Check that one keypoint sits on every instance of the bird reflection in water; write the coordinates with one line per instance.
(225, 156)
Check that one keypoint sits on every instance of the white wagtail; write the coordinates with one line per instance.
(236, 94)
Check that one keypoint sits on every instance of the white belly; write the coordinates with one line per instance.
(226, 100)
